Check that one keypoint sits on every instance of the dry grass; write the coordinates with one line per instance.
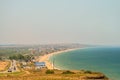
(4, 65)
(57, 75)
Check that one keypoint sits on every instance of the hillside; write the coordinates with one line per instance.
(46, 74)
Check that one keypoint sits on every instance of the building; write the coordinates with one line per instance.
(24, 63)
(39, 65)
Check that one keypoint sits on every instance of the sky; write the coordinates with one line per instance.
(60, 21)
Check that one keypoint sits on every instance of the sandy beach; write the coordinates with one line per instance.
(45, 58)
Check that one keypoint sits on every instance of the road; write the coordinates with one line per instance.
(12, 68)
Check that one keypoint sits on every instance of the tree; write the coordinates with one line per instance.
(17, 57)
(20, 57)
(0, 58)
(27, 58)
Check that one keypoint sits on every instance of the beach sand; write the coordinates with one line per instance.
(45, 58)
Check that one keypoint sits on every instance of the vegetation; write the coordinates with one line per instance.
(21, 57)
(11, 74)
(0, 58)
(88, 72)
(68, 72)
(49, 72)
(53, 75)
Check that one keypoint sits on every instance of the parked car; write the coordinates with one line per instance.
(9, 70)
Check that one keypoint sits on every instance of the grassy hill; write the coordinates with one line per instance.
(45, 74)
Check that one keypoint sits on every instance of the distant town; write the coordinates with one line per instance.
(26, 56)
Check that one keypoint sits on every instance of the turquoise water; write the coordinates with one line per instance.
(101, 59)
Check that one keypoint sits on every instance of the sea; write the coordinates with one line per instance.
(100, 59)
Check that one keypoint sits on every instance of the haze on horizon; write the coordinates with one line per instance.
(60, 21)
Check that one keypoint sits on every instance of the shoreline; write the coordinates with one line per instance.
(45, 58)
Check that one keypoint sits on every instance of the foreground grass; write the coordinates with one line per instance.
(11, 74)
(45, 74)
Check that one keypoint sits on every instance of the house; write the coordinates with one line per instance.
(24, 63)
(39, 65)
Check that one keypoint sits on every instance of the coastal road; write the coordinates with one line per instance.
(12, 68)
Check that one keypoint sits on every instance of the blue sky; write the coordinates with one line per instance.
(60, 21)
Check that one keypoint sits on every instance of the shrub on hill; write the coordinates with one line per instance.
(49, 72)
(88, 72)
(68, 72)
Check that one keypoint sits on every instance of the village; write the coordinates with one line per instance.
(27, 57)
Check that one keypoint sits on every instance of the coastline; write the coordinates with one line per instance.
(45, 58)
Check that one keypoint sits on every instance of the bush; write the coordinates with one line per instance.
(88, 72)
(49, 72)
(68, 72)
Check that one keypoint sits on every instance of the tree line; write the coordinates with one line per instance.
(21, 57)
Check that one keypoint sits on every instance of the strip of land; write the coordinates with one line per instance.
(45, 58)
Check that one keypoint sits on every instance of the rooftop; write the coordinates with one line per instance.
(39, 63)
